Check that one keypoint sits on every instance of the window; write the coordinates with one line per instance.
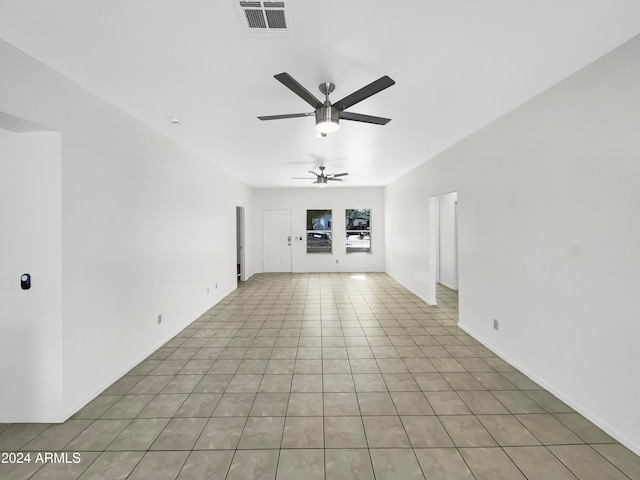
(319, 227)
(358, 230)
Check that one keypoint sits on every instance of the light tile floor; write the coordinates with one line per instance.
(312, 376)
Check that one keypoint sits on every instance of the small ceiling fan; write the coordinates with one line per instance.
(328, 115)
(321, 178)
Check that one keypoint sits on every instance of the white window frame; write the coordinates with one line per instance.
(362, 233)
(323, 232)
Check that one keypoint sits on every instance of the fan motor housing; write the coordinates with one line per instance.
(327, 114)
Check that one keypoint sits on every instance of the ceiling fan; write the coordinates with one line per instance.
(327, 114)
(321, 178)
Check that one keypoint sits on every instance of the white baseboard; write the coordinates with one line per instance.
(448, 286)
(39, 419)
(68, 413)
(631, 445)
(431, 301)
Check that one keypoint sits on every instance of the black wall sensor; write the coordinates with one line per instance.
(25, 281)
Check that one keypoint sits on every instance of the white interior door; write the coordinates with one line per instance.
(276, 240)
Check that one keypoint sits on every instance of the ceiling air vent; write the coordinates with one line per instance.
(264, 19)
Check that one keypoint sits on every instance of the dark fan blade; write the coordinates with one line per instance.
(364, 92)
(359, 117)
(337, 174)
(286, 115)
(289, 82)
(335, 179)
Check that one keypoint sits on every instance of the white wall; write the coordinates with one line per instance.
(548, 237)
(147, 228)
(298, 201)
(30, 320)
(448, 243)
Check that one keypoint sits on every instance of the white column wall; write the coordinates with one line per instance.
(147, 227)
(30, 320)
(548, 237)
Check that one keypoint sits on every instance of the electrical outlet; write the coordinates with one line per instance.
(496, 326)
(337, 260)
(159, 319)
(216, 286)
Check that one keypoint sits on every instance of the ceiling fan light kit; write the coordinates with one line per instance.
(327, 119)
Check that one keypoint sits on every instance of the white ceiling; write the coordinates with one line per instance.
(458, 65)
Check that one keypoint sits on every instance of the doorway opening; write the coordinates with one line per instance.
(443, 212)
(240, 261)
